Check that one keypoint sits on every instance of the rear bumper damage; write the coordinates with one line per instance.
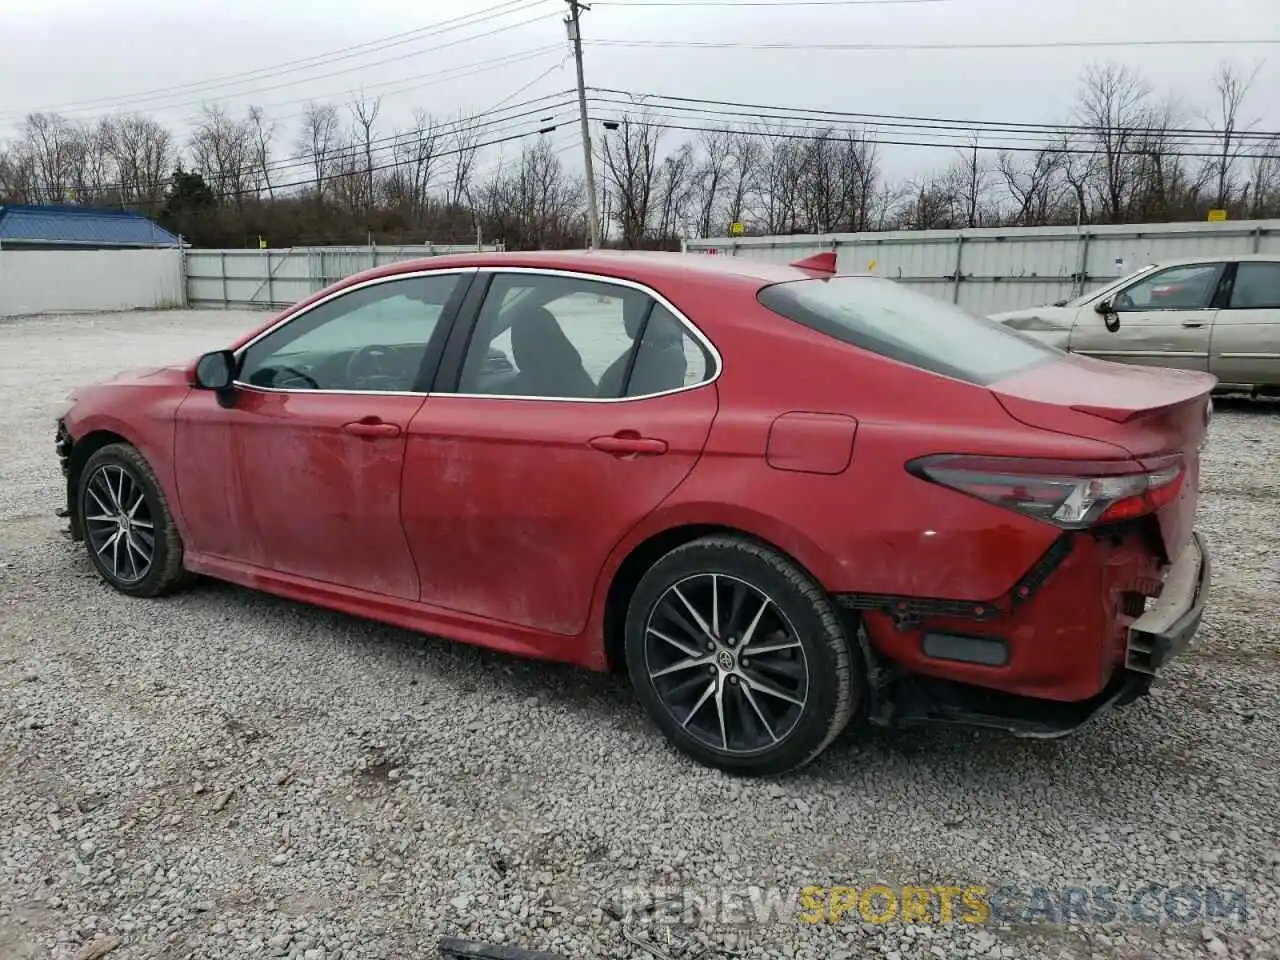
(1166, 629)
(909, 698)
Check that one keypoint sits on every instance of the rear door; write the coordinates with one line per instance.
(519, 485)
(1164, 319)
(1245, 348)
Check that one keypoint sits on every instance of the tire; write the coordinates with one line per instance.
(129, 479)
(725, 718)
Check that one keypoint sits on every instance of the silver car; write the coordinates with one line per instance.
(1220, 314)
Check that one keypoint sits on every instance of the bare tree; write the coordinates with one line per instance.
(630, 167)
(264, 132)
(221, 150)
(969, 177)
(1113, 108)
(415, 152)
(777, 184)
(1034, 182)
(365, 114)
(711, 176)
(143, 153)
(674, 194)
(48, 142)
(1232, 88)
(319, 140)
(463, 143)
(745, 152)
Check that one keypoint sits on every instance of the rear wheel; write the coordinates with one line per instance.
(740, 657)
(129, 530)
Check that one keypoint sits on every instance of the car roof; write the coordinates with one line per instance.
(1214, 257)
(649, 267)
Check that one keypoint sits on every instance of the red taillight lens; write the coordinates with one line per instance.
(1069, 494)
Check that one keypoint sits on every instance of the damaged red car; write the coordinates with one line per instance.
(783, 500)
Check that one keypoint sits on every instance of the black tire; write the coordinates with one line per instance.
(126, 469)
(801, 610)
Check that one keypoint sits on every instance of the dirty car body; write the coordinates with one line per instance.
(782, 500)
(1218, 315)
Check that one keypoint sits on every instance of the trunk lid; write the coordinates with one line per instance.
(1145, 412)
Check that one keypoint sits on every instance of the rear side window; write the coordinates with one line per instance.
(1257, 286)
(886, 318)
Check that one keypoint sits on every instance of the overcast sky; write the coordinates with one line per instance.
(87, 58)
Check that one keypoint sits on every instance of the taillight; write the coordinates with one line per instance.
(1067, 493)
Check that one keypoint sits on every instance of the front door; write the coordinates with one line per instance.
(520, 483)
(302, 475)
(1165, 319)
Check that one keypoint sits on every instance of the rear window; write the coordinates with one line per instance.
(886, 318)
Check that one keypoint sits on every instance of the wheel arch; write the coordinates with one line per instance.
(83, 448)
(641, 556)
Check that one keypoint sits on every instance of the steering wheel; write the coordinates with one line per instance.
(282, 376)
(369, 363)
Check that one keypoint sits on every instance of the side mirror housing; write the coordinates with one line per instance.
(1104, 307)
(216, 371)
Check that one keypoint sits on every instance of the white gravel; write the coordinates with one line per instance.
(224, 775)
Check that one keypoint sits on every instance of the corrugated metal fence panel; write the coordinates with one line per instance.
(76, 281)
(278, 278)
(1005, 269)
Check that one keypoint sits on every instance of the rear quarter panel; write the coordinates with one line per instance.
(871, 528)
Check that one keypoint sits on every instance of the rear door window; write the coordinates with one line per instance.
(888, 319)
(1257, 286)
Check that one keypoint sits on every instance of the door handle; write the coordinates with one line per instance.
(629, 443)
(1193, 324)
(371, 428)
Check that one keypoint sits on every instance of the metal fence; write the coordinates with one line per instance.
(990, 270)
(277, 278)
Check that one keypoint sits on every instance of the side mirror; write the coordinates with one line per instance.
(1110, 319)
(216, 371)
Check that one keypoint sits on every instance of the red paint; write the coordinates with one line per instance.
(503, 522)
(818, 263)
(811, 442)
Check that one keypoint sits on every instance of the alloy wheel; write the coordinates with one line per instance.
(118, 523)
(726, 663)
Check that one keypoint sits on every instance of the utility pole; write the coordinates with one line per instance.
(573, 23)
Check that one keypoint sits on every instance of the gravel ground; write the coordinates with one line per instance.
(223, 774)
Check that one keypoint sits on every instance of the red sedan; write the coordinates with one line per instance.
(781, 499)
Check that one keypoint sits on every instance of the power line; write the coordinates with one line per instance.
(923, 126)
(759, 3)
(886, 119)
(885, 47)
(878, 141)
(290, 66)
(345, 70)
(416, 82)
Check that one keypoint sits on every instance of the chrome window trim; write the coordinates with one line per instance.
(694, 330)
(689, 325)
(362, 285)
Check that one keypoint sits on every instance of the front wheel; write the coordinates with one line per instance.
(740, 657)
(129, 530)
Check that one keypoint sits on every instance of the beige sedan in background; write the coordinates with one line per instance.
(1220, 314)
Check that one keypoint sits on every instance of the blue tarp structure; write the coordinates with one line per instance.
(71, 226)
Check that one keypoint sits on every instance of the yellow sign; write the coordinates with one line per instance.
(871, 267)
(1217, 216)
(262, 244)
(737, 229)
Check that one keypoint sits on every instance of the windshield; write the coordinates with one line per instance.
(891, 320)
(1084, 298)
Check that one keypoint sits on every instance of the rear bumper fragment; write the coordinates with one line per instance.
(1167, 628)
